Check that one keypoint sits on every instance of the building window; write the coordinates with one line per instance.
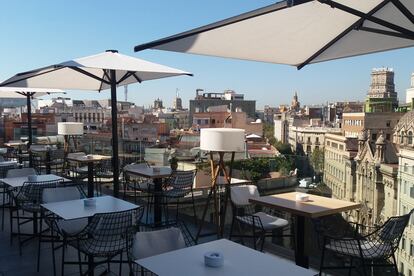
(410, 138)
(403, 243)
(412, 249)
(388, 123)
(388, 136)
(374, 136)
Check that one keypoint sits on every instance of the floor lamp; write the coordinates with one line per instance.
(219, 141)
(69, 130)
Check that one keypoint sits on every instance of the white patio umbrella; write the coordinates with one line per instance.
(28, 94)
(299, 32)
(97, 72)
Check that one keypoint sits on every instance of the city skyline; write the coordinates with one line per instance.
(340, 80)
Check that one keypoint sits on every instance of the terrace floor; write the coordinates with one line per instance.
(11, 263)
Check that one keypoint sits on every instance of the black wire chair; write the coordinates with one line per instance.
(103, 175)
(141, 187)
(11, 173)
(74, 171)
(39, 161)
(149, 243)
(28, 199)
(178, 186)
(107, 236)
(61, 231)
(12, 154)
(373, 249)
(4, 190)
(260, 222)
(57, 161)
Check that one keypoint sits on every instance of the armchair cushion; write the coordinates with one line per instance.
(369, 249)
(268, 222)
(72, 227)
(152, 243)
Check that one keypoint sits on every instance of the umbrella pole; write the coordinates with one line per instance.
(115, 157)
(29, 125)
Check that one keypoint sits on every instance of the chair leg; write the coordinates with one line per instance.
(2, 208)
(395, 265)
(18, 233)
(350, 266)
(231, 228)
(39, 243)
(11, 224)
(254, 237)
(194, 209)
(63, 256)
(364, 272)
(53, 252)
(263, 241)
(240, 232)
(149, 202)
(176, 210)
(120, 263)
(322, 259)
(79, 260)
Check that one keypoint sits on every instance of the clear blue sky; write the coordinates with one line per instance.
(38, 33)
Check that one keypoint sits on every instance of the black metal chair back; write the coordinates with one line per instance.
(180, 182)
(5, 168)
(109, 233)
(21, 172)
(392, 230)
(33, 191)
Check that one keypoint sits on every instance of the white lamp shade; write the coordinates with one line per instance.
(69, 128)
(222, 139)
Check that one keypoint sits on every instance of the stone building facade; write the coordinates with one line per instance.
(403, 137)
(307, 139)
(339, 167)
(234, 102)
(354, 123)
(376, 179)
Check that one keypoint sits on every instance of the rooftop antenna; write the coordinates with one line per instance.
(126, 92)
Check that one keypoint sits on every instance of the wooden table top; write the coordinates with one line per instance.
(15, 144)
(149, 172)
(85, 159)
(317, 206)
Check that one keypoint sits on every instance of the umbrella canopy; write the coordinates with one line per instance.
(22, 92)
(97, 72)
(301, 32)
(93, 73)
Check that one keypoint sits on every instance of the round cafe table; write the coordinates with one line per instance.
(89, 160)
(157, 174)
